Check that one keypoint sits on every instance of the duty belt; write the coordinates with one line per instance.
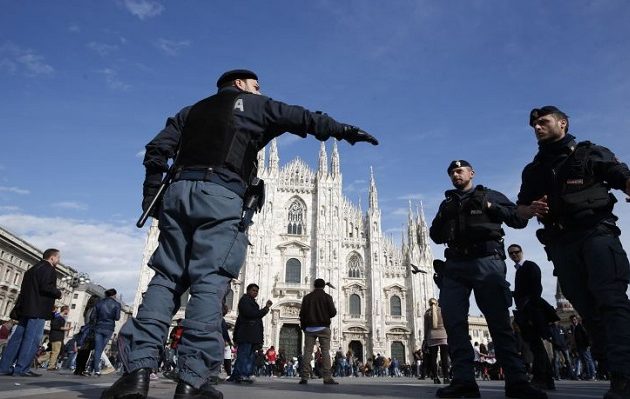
(207, 174)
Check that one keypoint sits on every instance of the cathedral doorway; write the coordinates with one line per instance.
(290, 340)
(356, 347)
(398, 351)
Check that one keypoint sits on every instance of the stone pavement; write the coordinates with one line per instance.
(63, 385)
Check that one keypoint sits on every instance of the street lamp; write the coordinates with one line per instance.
(76, 279)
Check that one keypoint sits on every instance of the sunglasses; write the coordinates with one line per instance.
(514, 252)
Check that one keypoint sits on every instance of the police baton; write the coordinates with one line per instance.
(145, 215)
(170, 173)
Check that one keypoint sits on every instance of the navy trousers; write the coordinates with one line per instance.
(486, 278)
(201, 249)
(593, 272)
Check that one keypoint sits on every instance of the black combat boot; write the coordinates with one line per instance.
(523, 390)
(619, 387)
(459, 389)
(187, 391)
(134, 385)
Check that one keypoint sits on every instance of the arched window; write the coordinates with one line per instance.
(293, 271)
(229, 299)
(398, 351)
(394, 306)
(296, 219)
(354, 267)
(355, 305)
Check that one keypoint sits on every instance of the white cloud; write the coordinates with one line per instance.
(9, 208)
(74, 28)
(111, 77)
(143, 9)
(412, 197)
(140, 154)
(73, 205)
(14, 190)
(400, 212)
(14, 59)
(171, 47)
(110, 253)
(287, 140)
(103, 49)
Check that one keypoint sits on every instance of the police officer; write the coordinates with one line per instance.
(567, 187)
(469, 221)
(202, 242)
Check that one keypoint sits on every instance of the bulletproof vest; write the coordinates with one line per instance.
(578, 198)
(209, 138)
(468, 220)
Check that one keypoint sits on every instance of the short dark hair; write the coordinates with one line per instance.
(559, 115)
(548, 110)
(64, 307)
(319, 283)
(110, 292)
(515, 246)
(252, 285)
(49, 253)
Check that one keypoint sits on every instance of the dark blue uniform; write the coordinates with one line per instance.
(474, 262)
(202, 242)
(582, 239)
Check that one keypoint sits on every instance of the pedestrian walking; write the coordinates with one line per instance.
(248, 334)
(533, 315)
(315, 313)
(58, 331)
(436, 338)
(106, 314)
(38, 292)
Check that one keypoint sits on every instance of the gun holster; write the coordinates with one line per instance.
(253, 201)
(254, 197)
(438, 266)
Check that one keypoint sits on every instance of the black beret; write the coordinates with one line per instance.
(235, 74)
(319, 283)
(542, 111)
(457, 164)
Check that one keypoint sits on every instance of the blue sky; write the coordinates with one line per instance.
(86, 84)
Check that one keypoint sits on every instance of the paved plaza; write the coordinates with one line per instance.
(62, 385)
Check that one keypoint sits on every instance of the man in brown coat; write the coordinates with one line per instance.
(315, 314)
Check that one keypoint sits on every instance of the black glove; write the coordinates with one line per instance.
(353, 134)
(148, 193)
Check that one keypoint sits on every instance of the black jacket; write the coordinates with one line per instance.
(259, 117)
(539, 177)
(582, 341)
(558, 337)
(502, 210)
(39, 291)
(317, 309)
(106, 313)
(56, 324)
(249, 326)
(527, 283)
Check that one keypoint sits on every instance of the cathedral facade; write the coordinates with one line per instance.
(309, 229)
